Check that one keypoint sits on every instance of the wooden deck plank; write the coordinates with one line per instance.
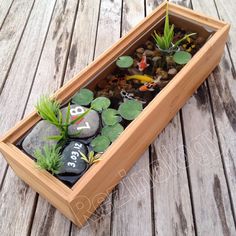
(84, 38)
(222, 87)
(16, 198)
(223, 96)
(4, 9)
(47, 220)
(132, 200)
(108, 32)
(171, 194)
(10, 34)
(55, 57)
(211, 201)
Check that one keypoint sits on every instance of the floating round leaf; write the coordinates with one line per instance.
(182, 57)
(100, 143)
(100, 103)
(109, 116)
(130, 109)
(125, 62)
(112, 132)
(83, 97)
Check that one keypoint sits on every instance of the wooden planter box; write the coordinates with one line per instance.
(80, 201)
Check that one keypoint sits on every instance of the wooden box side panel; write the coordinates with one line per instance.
(103, 177)
(41, 182)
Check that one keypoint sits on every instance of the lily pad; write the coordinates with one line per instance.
(83, 97)
(182, 57)
(100, 103)
(100, 143)
(130, 109)
(110, 116)
(125, 62)
(112, 132)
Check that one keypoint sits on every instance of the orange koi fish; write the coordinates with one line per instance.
(142, 65)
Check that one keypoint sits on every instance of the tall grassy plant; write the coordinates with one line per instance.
(165, 41)
(49, 110)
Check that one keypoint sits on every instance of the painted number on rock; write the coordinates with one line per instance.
(75, 112)
(75, 155)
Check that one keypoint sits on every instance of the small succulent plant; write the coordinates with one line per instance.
(100, 143)
(165, 41)
(91, 158)
(83, 97)
(124, 62)
(49, 158)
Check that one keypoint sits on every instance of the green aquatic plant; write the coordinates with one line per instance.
(124, 62)
(182, 57)
(112, 132)
(49, 110)
(100, 103)
(165, 41)
(130, 109)
(91, 158)
(100, 143)
(110, 116)
(83, 97)
(49, 159)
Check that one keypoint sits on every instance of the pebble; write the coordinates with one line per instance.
(88, 126)
(148, 53)
(71, 158)
(172, 71)
(140, 50)
(37, 138)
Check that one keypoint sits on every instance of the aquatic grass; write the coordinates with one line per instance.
(49, 110)
(91, 158)
(165, 41)
(49, 158)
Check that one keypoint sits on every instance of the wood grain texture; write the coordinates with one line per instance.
(4, 9)
(171, 194)
(167, 104)
(223, 96)
(14, 94)
(207, 180)
(108, 32)
(11, 33)
(84, 38)
(47, 79)
(131, 198)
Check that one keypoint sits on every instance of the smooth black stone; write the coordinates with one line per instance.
(71, 158)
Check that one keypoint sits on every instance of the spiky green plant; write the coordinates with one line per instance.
(49, 158)
(91, 158)
(165, 41)
(49, 110)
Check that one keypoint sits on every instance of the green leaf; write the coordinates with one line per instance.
(100, 143)
(130, 109)
(67, 114)
(112, 132)
(109, 116)
(56, 137)
(83, 97)
(182, 57)
(100, 104)
(49, 158)
(185, 37)
(125, 62)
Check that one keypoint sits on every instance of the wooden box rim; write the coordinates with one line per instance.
(64, 93)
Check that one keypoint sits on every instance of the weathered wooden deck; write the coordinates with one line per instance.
(185, 184)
